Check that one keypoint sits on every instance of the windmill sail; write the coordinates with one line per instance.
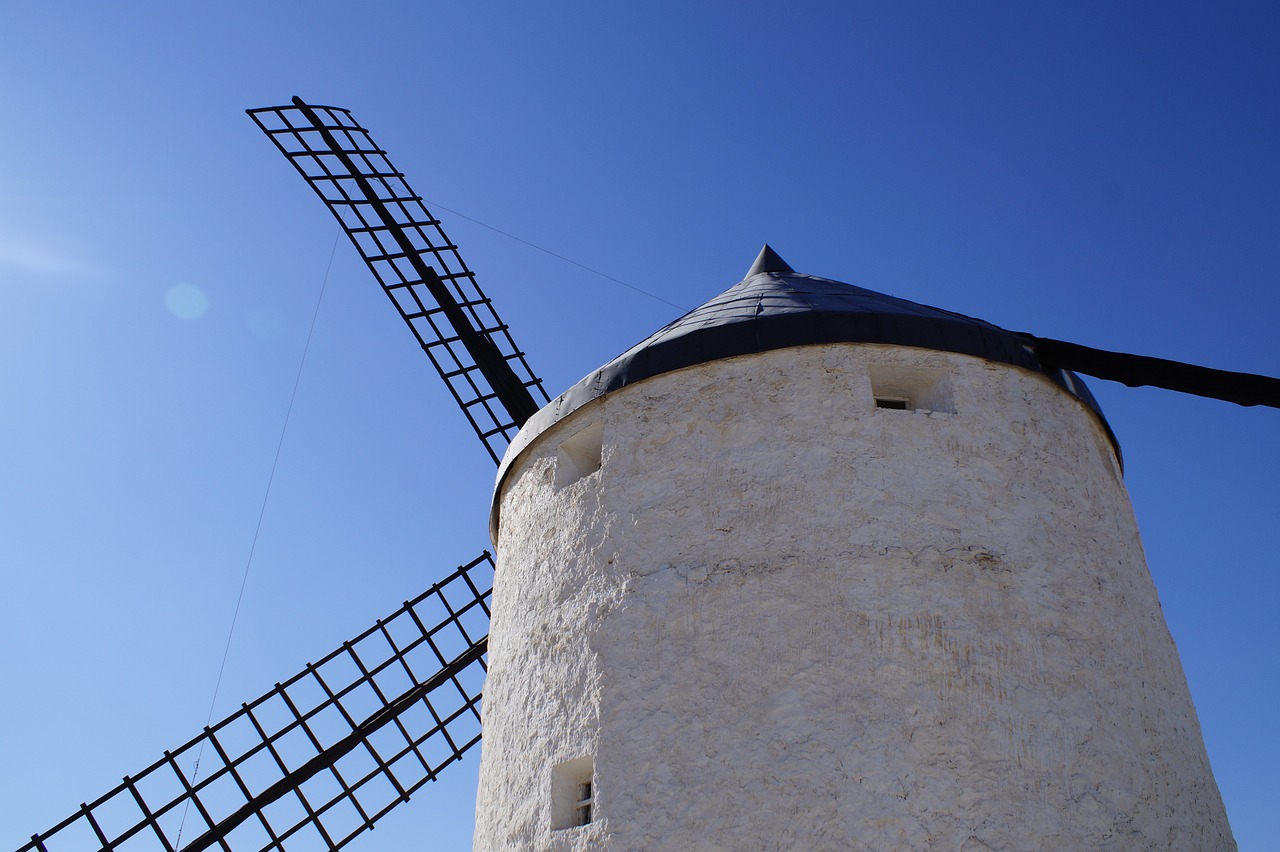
(321, 757)
(416, 264)
(1137, 370)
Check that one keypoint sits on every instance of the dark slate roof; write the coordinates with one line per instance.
(775, 307)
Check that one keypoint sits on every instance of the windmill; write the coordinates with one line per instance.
(325, 754)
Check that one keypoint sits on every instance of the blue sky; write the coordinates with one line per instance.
(1101, 173)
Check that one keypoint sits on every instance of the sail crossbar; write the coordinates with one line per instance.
(321, 757)
(415, 263)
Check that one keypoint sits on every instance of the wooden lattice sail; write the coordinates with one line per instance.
(322, 756)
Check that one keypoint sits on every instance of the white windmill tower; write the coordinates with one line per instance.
(817, 568)
(811, 567)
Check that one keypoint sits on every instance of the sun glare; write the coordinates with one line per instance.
(186, 301)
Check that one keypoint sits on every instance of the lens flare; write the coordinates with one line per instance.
(186, 301)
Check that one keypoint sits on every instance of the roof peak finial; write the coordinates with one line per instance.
(768, 261)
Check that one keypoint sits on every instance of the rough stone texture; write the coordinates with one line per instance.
(781, 618)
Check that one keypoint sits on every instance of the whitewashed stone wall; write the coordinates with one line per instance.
(781, 618)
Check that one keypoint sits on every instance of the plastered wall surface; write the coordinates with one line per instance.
(778, 617)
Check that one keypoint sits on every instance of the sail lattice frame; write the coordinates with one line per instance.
(318, 759)
(416, 264)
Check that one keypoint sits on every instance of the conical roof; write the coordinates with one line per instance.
(775, 307)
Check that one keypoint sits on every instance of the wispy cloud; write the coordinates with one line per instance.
(38, 255)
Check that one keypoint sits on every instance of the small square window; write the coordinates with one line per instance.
(580, 455)
(902, 388)
(897, 403)
(573, 801)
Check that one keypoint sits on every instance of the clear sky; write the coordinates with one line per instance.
(1105, 173)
